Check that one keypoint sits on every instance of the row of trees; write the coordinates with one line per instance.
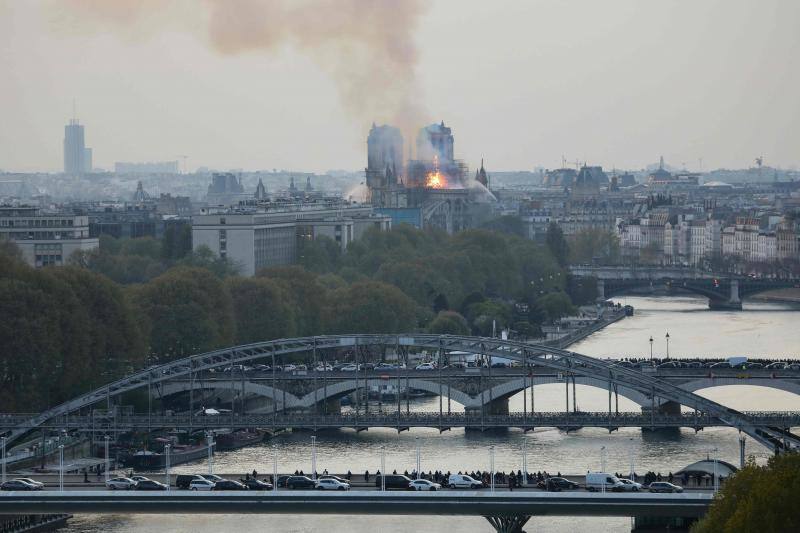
(129, 303)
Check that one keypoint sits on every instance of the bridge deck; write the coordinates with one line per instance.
(475, 503)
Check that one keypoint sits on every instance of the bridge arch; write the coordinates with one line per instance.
(540, 355)
(345, 387)
(511, 388)
(259, 389)
(792, 387)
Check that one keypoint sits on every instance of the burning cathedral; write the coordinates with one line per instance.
(432, 189)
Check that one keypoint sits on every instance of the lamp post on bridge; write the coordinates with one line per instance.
(313, 457)
(61, 468)
(603, 465)
(166, 464)
(383, 468)
(418, 457)
(108, 461)
(651, 347)
(210, 441)
(491, 467)
(274, 468)
(667, 337)
(3, 449)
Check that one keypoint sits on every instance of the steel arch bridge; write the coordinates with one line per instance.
(596, 370)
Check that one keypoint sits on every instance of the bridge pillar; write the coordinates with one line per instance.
(734, 302)
(508, 524)
(601, 290)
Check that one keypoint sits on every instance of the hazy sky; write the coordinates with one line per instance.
(522, 83)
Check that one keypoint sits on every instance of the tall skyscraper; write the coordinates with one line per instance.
(75, 155)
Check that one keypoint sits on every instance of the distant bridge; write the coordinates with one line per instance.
(722, 291)
(493, 395)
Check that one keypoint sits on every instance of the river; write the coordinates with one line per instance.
(759, 329)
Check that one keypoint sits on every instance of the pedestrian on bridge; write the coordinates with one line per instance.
(366, 476)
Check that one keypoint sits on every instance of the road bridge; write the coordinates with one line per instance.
(360, 348)
(723, 291)
(476, 389)
(507, 512)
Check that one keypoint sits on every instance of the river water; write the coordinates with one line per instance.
(761, 329)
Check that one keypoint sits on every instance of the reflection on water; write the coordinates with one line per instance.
(767, 329)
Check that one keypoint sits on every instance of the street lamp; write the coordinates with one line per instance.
(491, 466)
(667, 337)
(60, 467)
(210, 441)
(274, 468)
(3, 449)
(313, 457)
(716, 478)
(166, 464)
(651, 347)
(383, 468)
(603, 465)
(108, 462)
(418, 457)
(524, 461)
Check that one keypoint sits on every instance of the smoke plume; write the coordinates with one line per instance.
(366, 46)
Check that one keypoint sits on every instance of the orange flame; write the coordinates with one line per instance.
(435, 179)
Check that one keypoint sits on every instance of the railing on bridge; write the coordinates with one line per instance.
(407, 420)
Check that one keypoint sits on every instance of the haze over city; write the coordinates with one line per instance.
(522, 83)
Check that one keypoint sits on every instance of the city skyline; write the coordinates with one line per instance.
(616, 86)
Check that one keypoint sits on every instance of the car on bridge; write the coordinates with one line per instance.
(331, 484)
(323, 368)
(393, 482)
(18, 484)
(257, 484)
(211, 477)
(460, 481)
(425, 366)
(229, 484)
(557, 484)
(629, 485)
(121, 483)
(424, 484)
(138, 479)
(201, 484)
(350, 368)
(149, 484)
(300, 482)
(31, 481)
(663, 486)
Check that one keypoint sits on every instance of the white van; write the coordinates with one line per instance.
(603, 481)
(458, 481)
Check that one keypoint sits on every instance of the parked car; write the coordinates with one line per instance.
(630, 486)
(281, 481)
(331, 484)
(423, 484)
(663, 486)
(121, 483)
(425, 366)
(394, 482)
(300, 482)
(603, 481)
(331, 476)
(211, 477)
(257, 484)
(460, 481)
(229, 484)
(350, 368)
(261, 368)
(382, 367)
(31, 481)
(149, 484)
(137, 479)
(778, 365)
(721, 364)
(557, 484)
(18, 484)
(183, 481)
(201, 484)
(323, 368)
